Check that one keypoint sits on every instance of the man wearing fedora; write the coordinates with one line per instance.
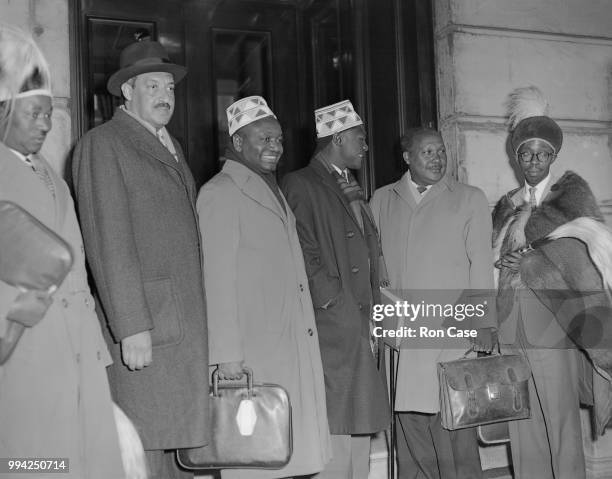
(136, 199)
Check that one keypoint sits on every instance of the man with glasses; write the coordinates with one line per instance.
(549, 444)
(435, 235)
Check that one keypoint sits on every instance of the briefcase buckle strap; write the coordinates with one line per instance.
(472, 403)
(517, 403)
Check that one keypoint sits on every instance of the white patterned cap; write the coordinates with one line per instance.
(335, 118)
(245, 111)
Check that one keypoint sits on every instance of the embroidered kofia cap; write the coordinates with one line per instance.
(245, 111)
(23, 68)
(529, 120)
(335, 118)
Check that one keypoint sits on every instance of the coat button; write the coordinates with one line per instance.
(355, 269)
(64, 302)
(82, 249)
(360, 306)
(350, 234)
(301, 287)
(310, 332)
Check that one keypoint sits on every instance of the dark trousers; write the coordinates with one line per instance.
(163, 465)
(425, 450)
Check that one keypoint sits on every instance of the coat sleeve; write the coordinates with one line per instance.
(323, 286)
(110, 245)
(478, 234)
(8, 294)
(218, 216)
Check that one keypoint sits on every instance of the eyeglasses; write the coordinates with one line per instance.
(431, 153)
(527, 157)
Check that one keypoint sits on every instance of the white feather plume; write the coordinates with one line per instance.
(598, 238)
(132, 451)
(20, 57)
(525, 102)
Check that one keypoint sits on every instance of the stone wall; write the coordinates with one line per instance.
(47, 21)
(486, 48)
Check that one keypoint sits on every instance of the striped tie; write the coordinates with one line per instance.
(532, 197)
(41, 171)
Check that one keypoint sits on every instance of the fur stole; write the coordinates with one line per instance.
(564, 269)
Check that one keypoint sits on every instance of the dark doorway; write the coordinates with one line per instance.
(298, 54)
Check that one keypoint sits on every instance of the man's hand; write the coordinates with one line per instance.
(30, 307)
(232, 370)
(485, 341)
(512, 261)
(136, 350)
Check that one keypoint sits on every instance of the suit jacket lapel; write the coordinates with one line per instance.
(329, 181)
(254, 187)
(146, 141)
(402, 188)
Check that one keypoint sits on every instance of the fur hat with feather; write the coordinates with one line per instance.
(23, 68)
(528, 119)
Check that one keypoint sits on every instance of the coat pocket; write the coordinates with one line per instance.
(168, 328)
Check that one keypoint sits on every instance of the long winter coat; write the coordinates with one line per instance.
(137, 212)
(54, 393)
(441, 243)
(259, 305)
(337, 257)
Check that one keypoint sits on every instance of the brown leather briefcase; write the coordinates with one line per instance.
(261, 441)
(484, 390)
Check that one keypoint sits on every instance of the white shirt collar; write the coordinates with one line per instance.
(539, 190)
(342, 173)
(21, 156)
(412, 186)
(162, 134)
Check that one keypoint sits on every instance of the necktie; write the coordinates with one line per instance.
(421, 189)
(41, 171)
(160, 137)
(532, 197)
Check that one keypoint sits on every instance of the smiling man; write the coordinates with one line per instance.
(259, 308)
(136, 199)
(435, 236)
(343, 263)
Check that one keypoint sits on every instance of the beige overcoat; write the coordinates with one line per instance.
(441, 243)
(259, 305)
(54, 392)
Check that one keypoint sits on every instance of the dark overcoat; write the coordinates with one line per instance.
(337, 257)
(137, 212)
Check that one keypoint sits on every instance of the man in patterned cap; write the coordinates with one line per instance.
(259, 308)
(136, 199)
(534, 321)
(343, 263)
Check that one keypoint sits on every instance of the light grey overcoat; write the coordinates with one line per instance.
(259, 305)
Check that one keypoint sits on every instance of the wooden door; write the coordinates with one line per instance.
(100, 30)
(234, 49)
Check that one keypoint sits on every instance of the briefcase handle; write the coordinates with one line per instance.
(249, 375)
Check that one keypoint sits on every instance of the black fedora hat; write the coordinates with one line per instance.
(143, 57)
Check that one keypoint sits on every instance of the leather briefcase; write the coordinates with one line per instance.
(484, 390)
(32, 257)
(255, 435)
